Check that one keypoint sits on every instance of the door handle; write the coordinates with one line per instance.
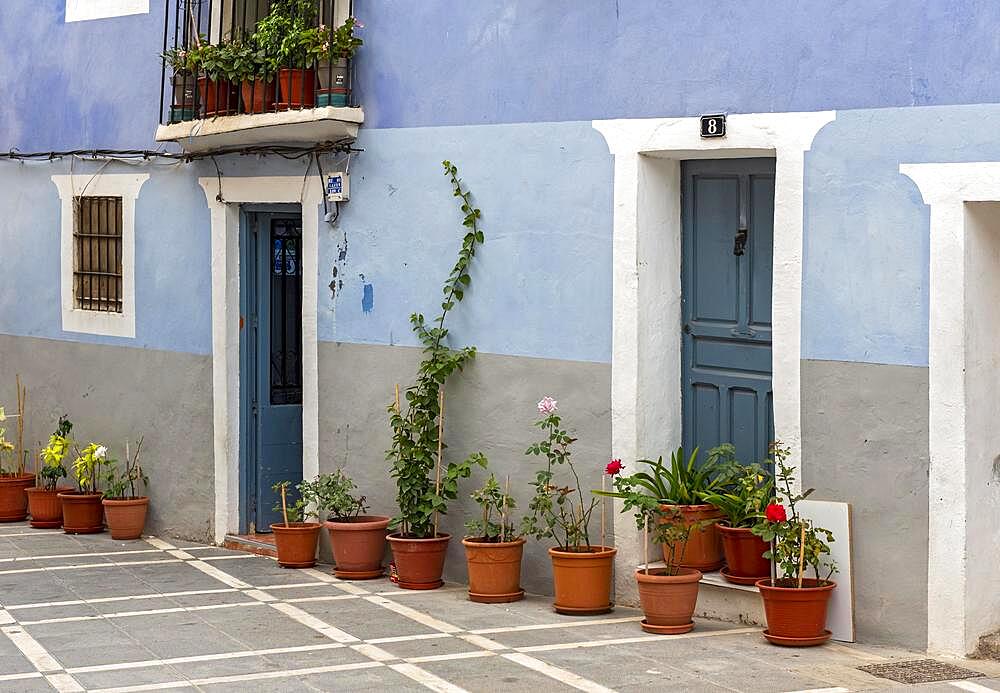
(740, 242)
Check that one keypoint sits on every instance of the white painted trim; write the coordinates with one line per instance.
(125, 186)
(957, 580)
(646, 334)
(226, 328)
(83, 10)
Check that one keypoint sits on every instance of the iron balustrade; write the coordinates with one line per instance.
(299, 82)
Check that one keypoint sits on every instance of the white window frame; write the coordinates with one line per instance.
(125, 186)
(85, 10)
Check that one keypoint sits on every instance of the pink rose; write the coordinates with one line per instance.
(547, 405)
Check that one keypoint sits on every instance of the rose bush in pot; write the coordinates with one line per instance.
(424, 484)
(749, 490)
(493, 549)
(43, 501)
(795, 606)
(358, 540)
(581, 571)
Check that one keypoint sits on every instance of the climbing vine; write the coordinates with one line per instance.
(414, 449)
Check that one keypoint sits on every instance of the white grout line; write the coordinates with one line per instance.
(64, 683)
(18, 677)
(81, 566)
(181, 554)
(238, 678)
(228, 558)
(34, 533)
(413, 614)
(219, 575)
(290, 585)
(260, 595)
(348, 587)
(31, 649)
(18, 559)
(835, 689)
(426, 678)
(970, 686)
(417, 593)
(449, 657)
(634, 639)
(325, 598)
(148, 612)
(159, 544)
(569, 678)
(480, 641)
(408, 638)
(203, 658)
(105, 600)
(5, 618)
(545, 626)
(310, 621)
(374, 652)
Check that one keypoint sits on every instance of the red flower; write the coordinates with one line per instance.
(614, 467)
(775, 513)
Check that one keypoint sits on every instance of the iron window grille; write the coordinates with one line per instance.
(97, 262)
(192, 23)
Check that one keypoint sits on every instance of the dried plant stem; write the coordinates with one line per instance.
(802, 552)
(604, 505)
(22, 396)
(645, 545)
(437, 480)
(503, 511)
(284, 506)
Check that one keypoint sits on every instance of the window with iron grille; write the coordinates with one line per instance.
(97, 253)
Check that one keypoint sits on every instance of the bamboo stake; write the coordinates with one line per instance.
(22, 396)
(437, 481)
(645, 544)
(503, 510)
(397, 398)
(802, 552)
(604, 505)
(284, 507)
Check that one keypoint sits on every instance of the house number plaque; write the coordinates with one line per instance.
(713, 125)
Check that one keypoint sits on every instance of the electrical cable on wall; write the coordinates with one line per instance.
(131, 155)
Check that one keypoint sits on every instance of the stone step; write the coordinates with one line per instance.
(723, 601)
(989, 647)
(259, 544)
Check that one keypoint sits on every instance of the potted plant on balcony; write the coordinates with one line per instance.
(332, 48)
(748, 493)
(668, 595)
(358, 540)
(43, 501)
(581, 572)
(247, 65)
(294, 539)
(82, 510)
(286, 38)
(219, 79)
(124, 507)
(684, 484)
(493, 549)
(13, 479)
(795, 606)
(183, 81)
(424, 485)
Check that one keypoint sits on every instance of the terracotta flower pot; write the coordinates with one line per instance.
(296, 543)
(298, 88)
(258, 94)
(494, 570)
(13, 502)
(126, 516)
(582, 580)
(704, 547)
(82, 512)
(45, 507)
(358, 546)
(419, 562)
(217, 96)
(668, 601)
(796, 617)
(745, 563)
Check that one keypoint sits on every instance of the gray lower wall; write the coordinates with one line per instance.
(489, 407)
(113, 393)
(865, 441)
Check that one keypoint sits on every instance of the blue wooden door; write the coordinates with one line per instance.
(728, 224)
(271, 363)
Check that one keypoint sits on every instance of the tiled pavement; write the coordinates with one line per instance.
(90, 613)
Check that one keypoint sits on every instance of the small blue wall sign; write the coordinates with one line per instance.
(713, 125)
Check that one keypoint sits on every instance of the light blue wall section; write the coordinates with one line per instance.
(865, 278)
(541, 284)
(172, 255)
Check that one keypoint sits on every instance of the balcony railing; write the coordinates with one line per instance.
(231, 57)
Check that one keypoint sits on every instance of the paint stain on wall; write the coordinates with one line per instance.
(368, 298)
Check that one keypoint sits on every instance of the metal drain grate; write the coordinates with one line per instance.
(919, 671)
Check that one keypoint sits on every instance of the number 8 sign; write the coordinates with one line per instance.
(713, 125)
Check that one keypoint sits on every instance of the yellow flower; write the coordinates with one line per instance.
(3, 417)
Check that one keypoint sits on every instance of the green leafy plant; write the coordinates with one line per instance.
(747, 493)
(323, 44)
(333, 494)
(796, 543)
(492, 500)
(181, 60)
(87, 467)
(557, 512)
(286, 36)
(126, 485)
(415, 431)
(294, 511)
(54, 453)
(684, 482)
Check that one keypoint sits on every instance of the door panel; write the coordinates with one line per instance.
(271, 357)
(726, 304)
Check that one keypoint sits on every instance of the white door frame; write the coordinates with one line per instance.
(646, 332)
(225, 195)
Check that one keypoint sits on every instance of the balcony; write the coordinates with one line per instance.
(257, 72)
